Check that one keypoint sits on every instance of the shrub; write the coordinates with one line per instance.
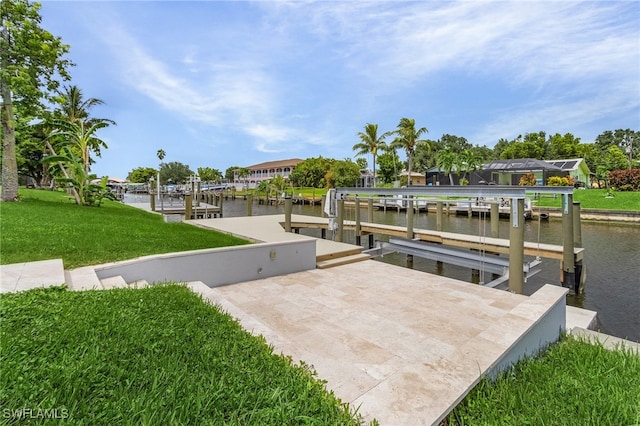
(625, 180)
(528, 179)
(560, 181)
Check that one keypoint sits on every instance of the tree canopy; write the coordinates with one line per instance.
(174, 172)
(208, 174)
(141, 174)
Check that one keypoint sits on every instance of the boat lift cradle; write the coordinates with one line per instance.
(466, 258)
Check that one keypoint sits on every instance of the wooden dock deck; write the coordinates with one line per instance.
(472, 242)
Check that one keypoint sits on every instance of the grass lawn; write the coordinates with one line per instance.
(573, 383)
(48, 225)
(596, 199)
(154, 356)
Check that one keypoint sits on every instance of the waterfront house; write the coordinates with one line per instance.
(266, 171)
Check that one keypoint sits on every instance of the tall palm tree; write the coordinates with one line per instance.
(409, 138)
(75, 109)
(161, 154)
(371, 143)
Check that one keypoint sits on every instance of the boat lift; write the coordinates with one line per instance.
(572, 272)
(466, 258)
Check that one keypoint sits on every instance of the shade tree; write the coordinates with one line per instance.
(32, 64)
(141, 174)
(174, 172)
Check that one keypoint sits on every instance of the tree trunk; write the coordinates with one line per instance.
(9, 164)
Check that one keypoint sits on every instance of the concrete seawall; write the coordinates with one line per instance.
(599, 215)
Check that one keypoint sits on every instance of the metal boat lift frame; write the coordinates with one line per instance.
(516, 194)
(479, 261)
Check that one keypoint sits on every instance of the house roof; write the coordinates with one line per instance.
(413, 173)
(519, 164)
(292, 162)
(569, 164)
(109, 180)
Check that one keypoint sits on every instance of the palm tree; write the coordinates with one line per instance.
(468, 161)
(75, 109)
(409, 138)
(447, 160)
(243, 173)
(371, 143)
(80, 135)
(161, 154)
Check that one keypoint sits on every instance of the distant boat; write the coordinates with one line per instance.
(403, 202)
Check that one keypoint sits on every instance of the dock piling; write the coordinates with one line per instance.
(358, 230)
(340, 220)
(516, 246)
(370, 219)
(439, 216)
(288, 205)
(568, 263)
(495, 220)
(410, 218)
(188, 207)
(250, 205)
(577, 225)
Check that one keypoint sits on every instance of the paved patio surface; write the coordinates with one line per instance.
(403, 345)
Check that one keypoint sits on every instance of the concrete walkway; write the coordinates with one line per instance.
(26, 276)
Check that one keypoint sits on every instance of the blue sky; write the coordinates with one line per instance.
(219, 84)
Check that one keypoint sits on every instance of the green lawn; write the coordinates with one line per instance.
(596, 199)
(573, 383)
(154, 356)
(48, 225)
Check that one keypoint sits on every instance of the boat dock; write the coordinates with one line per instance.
(471, 242)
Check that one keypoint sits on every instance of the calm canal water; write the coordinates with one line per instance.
(612, 258)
